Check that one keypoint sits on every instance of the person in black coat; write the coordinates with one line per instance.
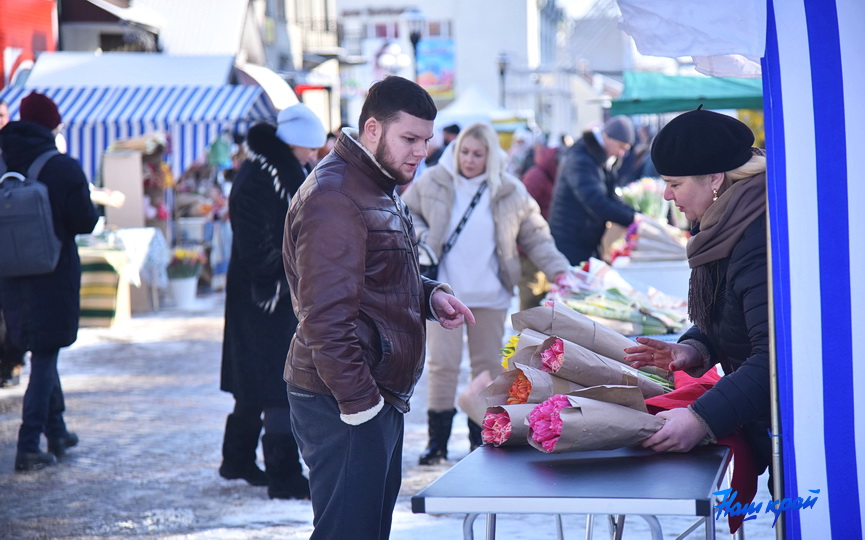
(42, 311)
(259, 318)
(719, 182)
(584, 198)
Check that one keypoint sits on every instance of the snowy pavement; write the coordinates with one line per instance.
(145, 400)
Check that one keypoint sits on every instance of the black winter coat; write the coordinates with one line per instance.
(584, 200)
(739, 341)
(255, 342)
(42, 312)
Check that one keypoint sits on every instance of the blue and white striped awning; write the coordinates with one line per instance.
(193, 117)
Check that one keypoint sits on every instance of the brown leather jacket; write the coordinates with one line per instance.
(351, 263)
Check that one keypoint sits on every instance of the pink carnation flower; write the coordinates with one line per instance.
(545, 422)
(496, 428)
(552, 358)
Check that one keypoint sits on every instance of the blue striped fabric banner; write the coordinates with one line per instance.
(814, 80)
(193, 116)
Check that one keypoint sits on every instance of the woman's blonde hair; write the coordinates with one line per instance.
(495, 155)
(752, 167)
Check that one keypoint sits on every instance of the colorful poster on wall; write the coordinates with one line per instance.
(435, 67)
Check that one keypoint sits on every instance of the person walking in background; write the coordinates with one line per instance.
(539, 180)
(351, 263)
(584, 198)
(330, 140)
(42, 311)
(449, 134)
(718, 180)
(11, 357)
(4, 113)
(259, 318)
(470, 195)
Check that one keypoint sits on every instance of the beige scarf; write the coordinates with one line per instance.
(720, 229)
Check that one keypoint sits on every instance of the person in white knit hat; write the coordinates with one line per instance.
(259, 318)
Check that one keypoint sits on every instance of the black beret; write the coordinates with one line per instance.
(701, 142)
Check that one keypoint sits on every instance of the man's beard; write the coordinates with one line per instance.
(384, 158)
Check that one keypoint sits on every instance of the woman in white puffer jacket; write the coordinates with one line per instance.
(482, 266)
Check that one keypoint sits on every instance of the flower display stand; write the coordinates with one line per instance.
(183, 291)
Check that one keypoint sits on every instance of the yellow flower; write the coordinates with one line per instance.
(509, 350)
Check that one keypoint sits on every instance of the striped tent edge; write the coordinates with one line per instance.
(193, 116)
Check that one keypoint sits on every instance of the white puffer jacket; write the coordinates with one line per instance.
(518, 222)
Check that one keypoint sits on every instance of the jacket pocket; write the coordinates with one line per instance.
(377, 351)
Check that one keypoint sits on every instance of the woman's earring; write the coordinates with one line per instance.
(714, 195)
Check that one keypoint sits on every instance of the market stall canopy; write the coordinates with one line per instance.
(193, 116)
(76, 69)
(653, 93)
(135, 13)
(187, 27)
(469, 107)
(276, 88)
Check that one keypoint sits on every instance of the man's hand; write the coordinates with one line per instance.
(450, 312)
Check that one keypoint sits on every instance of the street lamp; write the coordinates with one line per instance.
(503, 61)
(416, 22)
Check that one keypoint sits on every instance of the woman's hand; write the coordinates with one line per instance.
(451, 313)
(681, 432)
(668, 356)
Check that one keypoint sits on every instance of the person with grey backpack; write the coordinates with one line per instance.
(42, 310)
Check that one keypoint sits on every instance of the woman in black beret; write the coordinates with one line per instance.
(718, 180)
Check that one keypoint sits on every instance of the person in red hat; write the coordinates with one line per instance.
(42, 311)
(4, 113)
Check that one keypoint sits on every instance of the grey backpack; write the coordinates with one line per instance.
(27, 241)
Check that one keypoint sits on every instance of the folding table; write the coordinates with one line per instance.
(524, 480)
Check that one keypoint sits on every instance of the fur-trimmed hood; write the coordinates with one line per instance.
(275, 157)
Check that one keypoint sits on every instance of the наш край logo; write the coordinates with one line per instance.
(729, 507)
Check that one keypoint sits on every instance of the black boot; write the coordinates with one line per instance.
(282, 465)
(475, 437)
(440, 423)
(238, 451)
(32, 461)
(59, 445)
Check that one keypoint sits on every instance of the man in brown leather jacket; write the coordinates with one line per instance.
(351, 263)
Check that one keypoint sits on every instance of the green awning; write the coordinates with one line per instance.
(651, 93)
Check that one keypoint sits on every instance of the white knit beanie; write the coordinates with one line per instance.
(299, 126)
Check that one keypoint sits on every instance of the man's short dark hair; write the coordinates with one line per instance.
(392, 95)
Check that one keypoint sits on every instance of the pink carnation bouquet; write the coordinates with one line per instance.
(545, 423)
(597, 418)
(506, 425)
(553, 357)
(497, 428)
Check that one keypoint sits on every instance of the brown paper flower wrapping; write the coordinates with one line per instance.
(560, 320)
(602, 418)
(543, 384)
(588, 368)
(519, 426)
(530, 338)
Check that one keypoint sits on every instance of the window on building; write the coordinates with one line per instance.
(385, 30)
(441, 29)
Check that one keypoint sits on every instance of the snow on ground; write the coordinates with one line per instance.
(145, 400)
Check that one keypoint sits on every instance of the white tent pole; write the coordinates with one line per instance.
(774, 399)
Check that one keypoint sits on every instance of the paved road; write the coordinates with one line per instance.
(144, 399)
